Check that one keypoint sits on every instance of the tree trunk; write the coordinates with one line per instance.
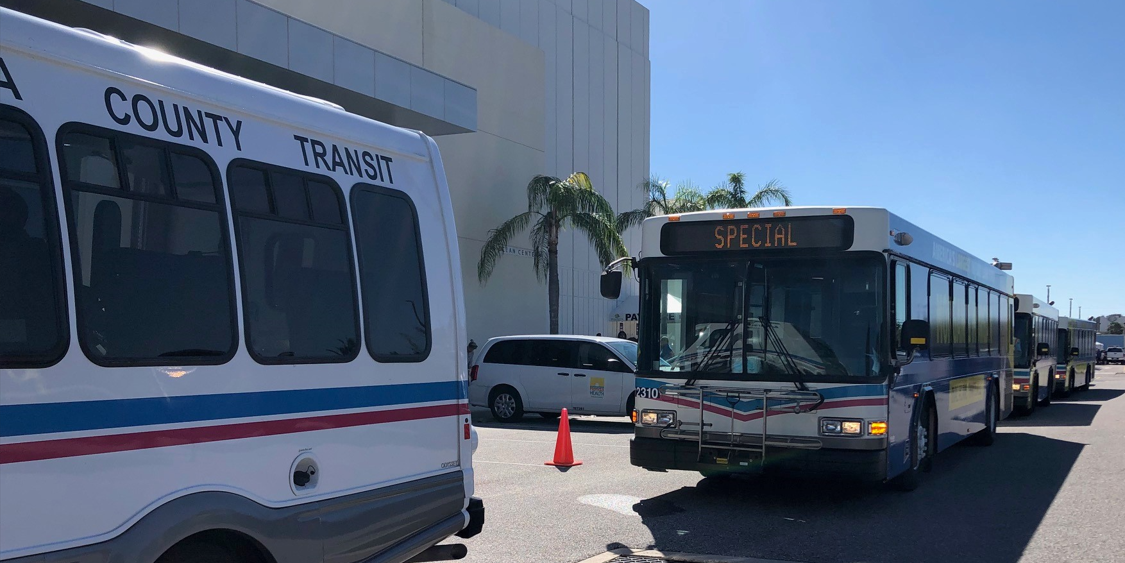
(553, 272)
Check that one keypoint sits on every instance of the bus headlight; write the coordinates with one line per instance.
(658, 418)
(1015, 387)
(839, 427)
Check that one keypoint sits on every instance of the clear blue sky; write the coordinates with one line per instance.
(998, 125)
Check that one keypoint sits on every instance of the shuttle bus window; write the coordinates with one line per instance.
(298, 277)
(194, 180)
(152, 270)
(393, 274)
(941, 321)
(32, 299)
(971, 321)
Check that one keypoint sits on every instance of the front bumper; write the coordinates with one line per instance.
(656, 454)
(476, 518)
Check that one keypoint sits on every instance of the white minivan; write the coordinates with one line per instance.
(544, 374)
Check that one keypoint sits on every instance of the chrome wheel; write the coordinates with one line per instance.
(921, 443)
(505, 405)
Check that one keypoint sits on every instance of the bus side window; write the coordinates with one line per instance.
(152, 268)
(33, 324)
(941, 320)
(901, 301)
(393, 275)
(298, 273)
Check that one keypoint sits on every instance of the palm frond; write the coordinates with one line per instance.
(498, 238)
(577, 195)
(687, 198)
(772, 192)
(634, 218)
(538, 190)
(720, 198)
(603, 236)
(540, 235)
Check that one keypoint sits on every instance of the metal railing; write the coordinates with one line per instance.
(785, 400)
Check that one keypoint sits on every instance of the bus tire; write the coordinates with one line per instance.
(1069, 385)
(987, 436)
(1086, 385)
(1032, 398)
(505, 404)
(220, 548)
(1046, 402)
(921, 450)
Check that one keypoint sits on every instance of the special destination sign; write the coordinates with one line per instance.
(767, 234)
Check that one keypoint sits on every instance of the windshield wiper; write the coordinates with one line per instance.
(707, 357)
(782, 351)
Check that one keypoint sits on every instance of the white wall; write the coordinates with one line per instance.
(596, 106)
(562, 86)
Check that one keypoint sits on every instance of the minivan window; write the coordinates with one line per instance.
(628, 350)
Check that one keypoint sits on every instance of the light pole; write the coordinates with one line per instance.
(1070, 312)
(1048, 294)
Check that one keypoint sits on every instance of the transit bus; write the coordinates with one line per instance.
(1036, 335)
(845, 342)
(1077, 355)
(231, 318)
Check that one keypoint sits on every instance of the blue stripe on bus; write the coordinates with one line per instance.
(829, 393)
(47, 418)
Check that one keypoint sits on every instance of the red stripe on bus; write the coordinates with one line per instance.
(91, 445)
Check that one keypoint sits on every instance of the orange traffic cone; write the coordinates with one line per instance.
(564, 453)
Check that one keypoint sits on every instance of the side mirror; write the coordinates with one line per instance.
(1043, 349)
(916, 334)
(611, 284)
(1074, 351)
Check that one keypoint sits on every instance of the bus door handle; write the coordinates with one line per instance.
(579, 375)
(563, 373)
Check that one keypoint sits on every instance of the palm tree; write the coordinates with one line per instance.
(685, 199)
(552, 206)
(732, 194)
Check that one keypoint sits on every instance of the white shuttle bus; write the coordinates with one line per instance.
(231, 322)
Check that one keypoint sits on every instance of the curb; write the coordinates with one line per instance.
(609, 556)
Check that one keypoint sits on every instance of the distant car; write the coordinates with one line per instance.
(545, 373)
(1114, 355)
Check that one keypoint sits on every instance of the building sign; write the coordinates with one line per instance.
(525, 252)
(766, 235)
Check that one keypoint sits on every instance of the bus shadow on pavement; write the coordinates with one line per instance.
(1094, 395)
(978, 504)
(1058, 414)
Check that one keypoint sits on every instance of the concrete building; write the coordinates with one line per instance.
(509, 88)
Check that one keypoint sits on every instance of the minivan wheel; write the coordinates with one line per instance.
(506, 405)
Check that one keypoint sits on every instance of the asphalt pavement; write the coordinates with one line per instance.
(1051, 489)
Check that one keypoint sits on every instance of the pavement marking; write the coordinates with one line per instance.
(609, 556)
(511, 463)
(552, 442)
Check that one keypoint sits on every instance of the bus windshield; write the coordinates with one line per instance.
(1023, 340)
(780, 319)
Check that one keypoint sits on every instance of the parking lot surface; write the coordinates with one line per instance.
(1052, 489)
